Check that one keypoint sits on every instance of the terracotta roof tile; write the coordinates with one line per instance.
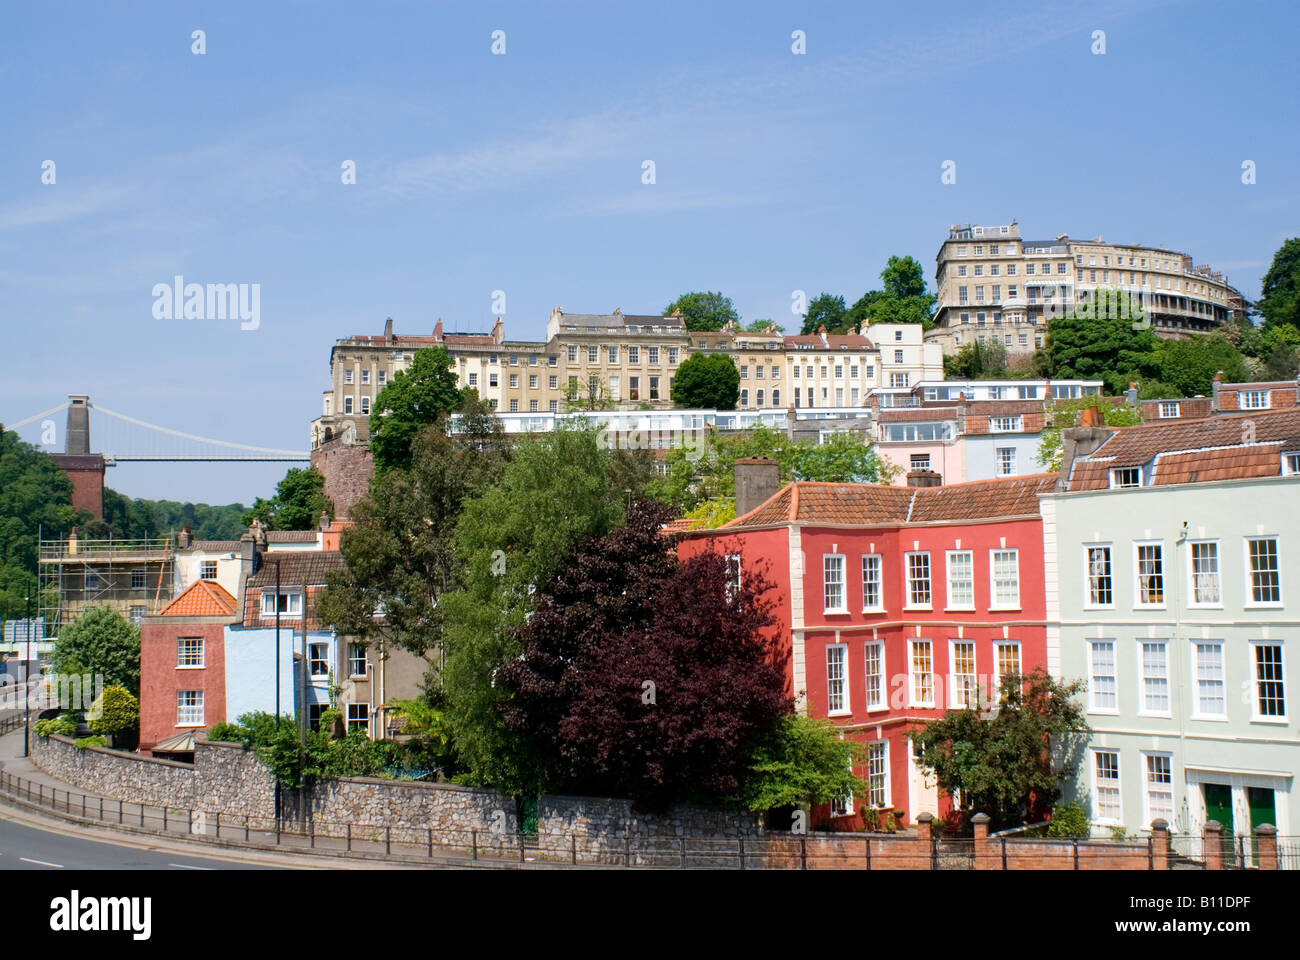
(1249, 437)
(204, 598)
(296, 567)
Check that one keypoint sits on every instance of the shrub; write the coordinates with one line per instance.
(115, 711)
(1118, 832)
(1069, 820)
(63, 726)
(228, 733)
(95, 741)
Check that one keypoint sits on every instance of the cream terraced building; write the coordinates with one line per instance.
(994, 285)
(627, 361)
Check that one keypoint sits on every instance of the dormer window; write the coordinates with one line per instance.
(1253, 400)
(290, 604)
(1290, 464)
(1126, 477)
(1168, 410)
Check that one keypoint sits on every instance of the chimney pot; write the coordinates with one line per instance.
(757, 479)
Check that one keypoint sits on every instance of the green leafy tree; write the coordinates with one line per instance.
(399, 556)
(412, 400)
(824, 310)
(555, 491)
(1279, 299)
(903, 299)
(1104, 339)
(297, 505)
(1283, 362)
(1065, 413)
(843, 457)
(708, 381)
(1189, 366)
(763, 326)
(101, 642)
(704, 311)
(587, 396)
(977, 360)
(115, 713)
(35, 495)
(802, 762)
(1009, 761)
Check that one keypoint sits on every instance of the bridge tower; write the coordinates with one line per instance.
(84, 469)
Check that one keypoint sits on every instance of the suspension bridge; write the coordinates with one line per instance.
(121, 438)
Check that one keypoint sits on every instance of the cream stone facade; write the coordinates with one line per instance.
(994, 285)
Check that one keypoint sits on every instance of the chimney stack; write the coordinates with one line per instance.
(757, 479)
(924, 478)
(1080, 441)
(1132, 394)
(388, 330)
(77, 439)
(184, 539)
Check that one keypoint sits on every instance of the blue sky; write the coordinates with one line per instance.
(522, 172)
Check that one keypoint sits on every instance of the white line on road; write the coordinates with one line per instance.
(186, 866)
(43, 863)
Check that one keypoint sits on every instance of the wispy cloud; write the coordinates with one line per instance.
(64, 204)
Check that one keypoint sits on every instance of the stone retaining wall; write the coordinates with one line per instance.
(122, 776)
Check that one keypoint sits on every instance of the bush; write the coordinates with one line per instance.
(114, 711)
(1069, 820)
(63, 726)
(95, 741)
(228, 733)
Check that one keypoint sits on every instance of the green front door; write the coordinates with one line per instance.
(1260, 801)
(1218, 806)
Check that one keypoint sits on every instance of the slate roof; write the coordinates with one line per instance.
(870, 504)
(291, 536)
(296, 568)
(1226, 447)
(204, 598)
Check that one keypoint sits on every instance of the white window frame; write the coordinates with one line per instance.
(878, 755)
(312, 659)
(190, 658)
(293, 604)
(881, 699)
(957, 688)
(879, 582)
(969, 579)
(1088, 603)
(1195, 650)
(355, 721)
(929, 580)
(733, 575)
(1096, 792)
(1093, 706)
(998, 647)
(1148, 814)
(842, 605)
(1114, 480)
(187, 710)
(1191, 575)
(845, 707)
(1262, 396)
(1138, 601)
(1255, 715)
(1250, 579)
(204, 566)
(1168, 409)
(1290, 464)
(1144, 710)
(913, 675)
(356, 654)
(993, 579)
(1006, 466)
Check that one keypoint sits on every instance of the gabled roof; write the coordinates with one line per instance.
(864, 504)
(1227, 447)
(296, 568)
(204, 598)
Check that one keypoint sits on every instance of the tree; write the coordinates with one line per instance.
(903, 277)
(843, 457)
(704, 311)
(297, 505)
(115, 713)
(707, 381)
(399, 556)
(101, 642)
(1104, 339)
(1008, 761)
(412, 400)
(35, 495)
(617, 689)
(802, 762)
(1065, 413)
(1283, 362)
(1189, 366)
(590, 396)
(763, 326)
(903, 300)
(977, 360)
(511, 537)
(1279, 296)
(825, 310)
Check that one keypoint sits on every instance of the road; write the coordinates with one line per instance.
(23, 847)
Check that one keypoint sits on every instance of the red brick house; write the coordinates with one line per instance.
(896, 604)
(183, 663)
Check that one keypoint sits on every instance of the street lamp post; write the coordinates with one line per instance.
(27, 682)
(277, 689)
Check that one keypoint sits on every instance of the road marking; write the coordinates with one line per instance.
(43, 863)
(186, 866)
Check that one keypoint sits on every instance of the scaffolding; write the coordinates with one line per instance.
(135, 577)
